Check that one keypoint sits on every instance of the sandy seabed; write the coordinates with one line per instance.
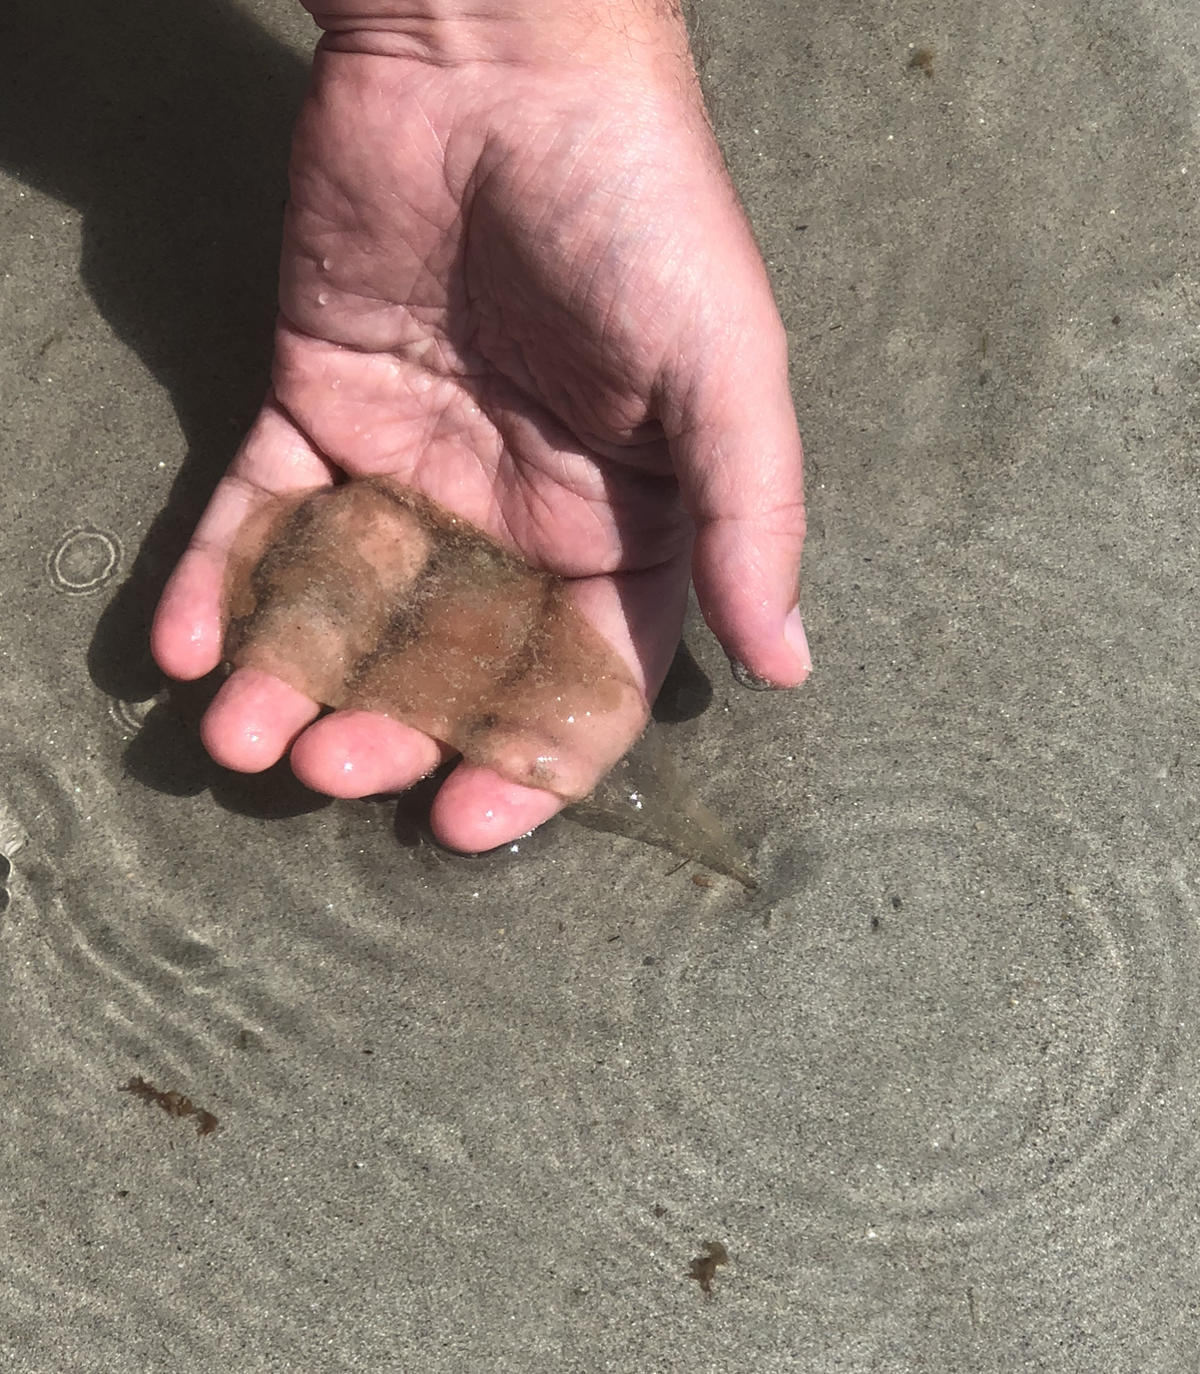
(932, 1088)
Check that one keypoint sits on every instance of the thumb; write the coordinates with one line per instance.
(737, 456)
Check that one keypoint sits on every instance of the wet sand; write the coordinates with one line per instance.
(933, 1086)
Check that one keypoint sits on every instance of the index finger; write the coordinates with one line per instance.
(275, 460)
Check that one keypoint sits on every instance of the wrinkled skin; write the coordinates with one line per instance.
(525, 289)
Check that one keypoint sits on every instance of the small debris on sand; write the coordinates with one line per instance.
(704, 1267)
(172, 1102)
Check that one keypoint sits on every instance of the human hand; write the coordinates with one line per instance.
(524, 288)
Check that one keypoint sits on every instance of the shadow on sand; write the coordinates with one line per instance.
(167, 128)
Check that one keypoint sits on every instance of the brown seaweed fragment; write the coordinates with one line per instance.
(173, 1102)
(922, 61)
(704, 1267)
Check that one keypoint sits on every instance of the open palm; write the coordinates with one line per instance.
(539, 305)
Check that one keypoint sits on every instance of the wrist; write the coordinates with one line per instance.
(523, 32)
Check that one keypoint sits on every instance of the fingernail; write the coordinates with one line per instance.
(793, 632)
(745, 678)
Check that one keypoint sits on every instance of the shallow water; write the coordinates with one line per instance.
(935, 1091)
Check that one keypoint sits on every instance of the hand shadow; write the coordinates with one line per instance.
(167, 127)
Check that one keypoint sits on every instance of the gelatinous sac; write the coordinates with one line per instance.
(367, 596)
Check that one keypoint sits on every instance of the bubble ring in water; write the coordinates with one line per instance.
(83, 561)
(129, 715)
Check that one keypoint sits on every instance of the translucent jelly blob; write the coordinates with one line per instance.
(367, 596)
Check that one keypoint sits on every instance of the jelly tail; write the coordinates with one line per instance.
(645, 797)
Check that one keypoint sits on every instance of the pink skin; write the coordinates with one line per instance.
(525, 288)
